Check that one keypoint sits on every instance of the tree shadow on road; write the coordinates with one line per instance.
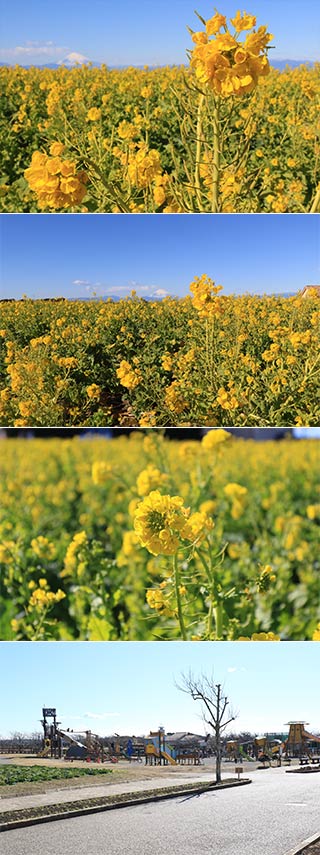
(187, 798)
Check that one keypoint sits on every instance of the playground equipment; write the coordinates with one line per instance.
(52, 741)
(263, 748)
(269, 747)
(174, 748)
(239, 750)
(55, 739)
(300, 742)
(157, 751)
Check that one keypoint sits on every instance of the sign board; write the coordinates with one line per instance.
(49, 712)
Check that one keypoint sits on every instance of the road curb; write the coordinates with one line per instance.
(70, 814)
(308, 842)
(306, 770)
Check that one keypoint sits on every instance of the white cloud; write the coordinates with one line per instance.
(101, 716)
(99, 289)
(81, 282)
(47, 50)
(116, 289)
(35, 49)
(232, 670)
(71, 717)
(38, 44)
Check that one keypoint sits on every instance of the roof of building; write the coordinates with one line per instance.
(308, 288)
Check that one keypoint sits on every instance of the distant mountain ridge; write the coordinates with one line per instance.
(149, 299)
(280, 64)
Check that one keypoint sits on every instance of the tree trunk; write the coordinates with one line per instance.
(218, 739)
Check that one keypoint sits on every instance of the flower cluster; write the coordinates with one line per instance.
(260, 636)
(226, 64)
(144, 166)
(214, 438)
(162, 523)
(266, 578)
(205, 296)
(42, 548)
(75, 554)
(237, 494)
(42, 597)
(161, 602)
(93, 392)
(55, 180)
(149, 479)
(128, 376)
(101, 472)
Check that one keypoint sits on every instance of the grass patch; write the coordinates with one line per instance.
(16, 774)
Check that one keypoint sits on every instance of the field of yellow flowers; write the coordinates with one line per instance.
(225, 133)
(207, 359)
(145, 537)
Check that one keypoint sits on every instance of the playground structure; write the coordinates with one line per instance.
(300, 742)
(157, 751)
(173, 749)
(237, 751)
(60, 743)
(266, 748)
(160, 751)
(254, 749)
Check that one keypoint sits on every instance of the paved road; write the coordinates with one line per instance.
(268, 817)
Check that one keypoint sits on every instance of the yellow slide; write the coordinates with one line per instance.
(276, 748)
(45, 751)
(168, 758)
(151, 749)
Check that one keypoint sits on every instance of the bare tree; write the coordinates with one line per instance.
(215, 708)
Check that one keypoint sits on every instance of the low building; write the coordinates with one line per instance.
(310, 291)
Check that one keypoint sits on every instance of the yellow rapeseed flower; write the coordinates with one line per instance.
(159, 522)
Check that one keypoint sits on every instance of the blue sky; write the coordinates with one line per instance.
(135, 33)
(79, 255)
(130, 687)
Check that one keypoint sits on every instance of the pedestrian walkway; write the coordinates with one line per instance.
(60, 796)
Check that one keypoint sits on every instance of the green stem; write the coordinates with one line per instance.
(176, 575)
(39, 627)
(316, 203)
(218, 610)
(216, 157)
(147, 123)
(212, 613)
(210, 616)
(219, 618)
(198, 151)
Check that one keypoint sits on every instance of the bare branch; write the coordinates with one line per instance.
(215, 704)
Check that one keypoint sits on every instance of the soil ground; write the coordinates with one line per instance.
(122, 772)
(314, 849)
